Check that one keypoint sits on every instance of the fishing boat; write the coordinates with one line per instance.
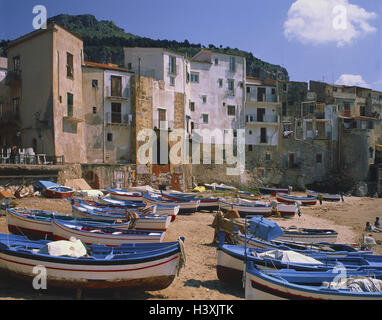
(120, 194)
(286, 284)
(205, 204)
(245, 209)
(113, 203)
(248, 207)
(185, 207)
(219, 187)
(306, 235)
(152, 222)
(324, 196)
(304, 200)
(151, 209)
(36, 224)
(58, 192)
(150, 267)
(285, 210)
(91, 234)
(231, 261)
(272, 191)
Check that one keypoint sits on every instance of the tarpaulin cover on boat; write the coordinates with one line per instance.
(364, 284)
(264, 229)
(288, 256)
(72, 248)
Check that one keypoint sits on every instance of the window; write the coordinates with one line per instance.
(172, 65)
(273, 91)
(116, 86)
(220, 82)
(284, 109)
(261, 94)
(267, 156)
(69, 64)
(205, 118)
(192, 106)
(231, 84)
(347, 109)
(362, 111)
(232, 64)
(204, 99)
(95, 83)
(284, 87)
(231, 110)
(216, 61)
(194, 77)
(250, 147)
(129, 66)
(69, 101)
(116, 112)
(172, 81)
(260, 114)
(109, 137)
(263, 135)
(16, 64)
(319, 158)
(248, 89)
(161, 116)
(250, 132)
(94, 110)
(16, 105)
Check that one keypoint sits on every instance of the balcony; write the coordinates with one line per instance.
(117, 94)
(230, 93)
(265, 98)
(71, 115)
(13, 78)
(165, 125)
(117, 118)
(9, 117)
(270, 119)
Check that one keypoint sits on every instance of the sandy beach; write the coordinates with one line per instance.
(198, 279)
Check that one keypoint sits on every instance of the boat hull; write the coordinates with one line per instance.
(305, 201)
(52, 193)
(156, 274)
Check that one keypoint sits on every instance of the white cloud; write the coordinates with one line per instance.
(352, 80)
(327, 21)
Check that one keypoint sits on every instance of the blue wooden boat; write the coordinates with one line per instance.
(206, 204)
(113, 203)
(325, 196)
(187, 207)
(144, 221)
(91, 234)
(44, 184)
(36, 224)
(151, 266)
(120, 194)
(263, 285)
(304, 200)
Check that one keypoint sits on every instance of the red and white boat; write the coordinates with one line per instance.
(58, 192)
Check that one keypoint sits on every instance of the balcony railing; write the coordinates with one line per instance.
(266, 98)
(266, 119)
(117, 118)
(121, 94)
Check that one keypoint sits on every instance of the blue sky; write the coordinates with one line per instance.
(312, 50)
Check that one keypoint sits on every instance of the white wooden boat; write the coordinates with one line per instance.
(304, 200)
(324, 196)
(155, 222)
(124, 195)
(265, 285)
(306, 235)
(90, 234)
(185, 207)
(149, 267)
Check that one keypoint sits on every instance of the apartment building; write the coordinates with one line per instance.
(44, 78)
(108, 114)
